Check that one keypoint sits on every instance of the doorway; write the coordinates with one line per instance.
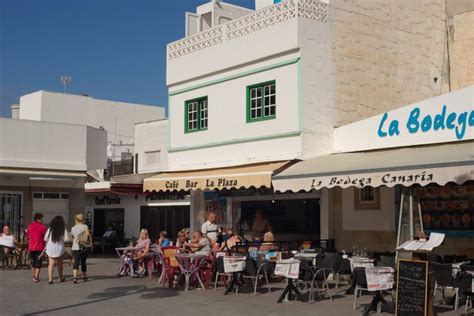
(109, 217)
(169, 218)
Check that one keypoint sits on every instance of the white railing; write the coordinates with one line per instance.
(261, 19)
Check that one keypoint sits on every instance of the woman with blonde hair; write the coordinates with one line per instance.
(81, 245)
(143, 243)
(268, 242)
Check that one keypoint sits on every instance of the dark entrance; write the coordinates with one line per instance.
(108, 217)
(301, 216)
(169, 218)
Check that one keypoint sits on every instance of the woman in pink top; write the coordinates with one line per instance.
(143, 243)
(35, 234)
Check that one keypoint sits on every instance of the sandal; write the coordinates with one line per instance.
(84, 279)
(62, 279)
(74, 280)
(50, 282)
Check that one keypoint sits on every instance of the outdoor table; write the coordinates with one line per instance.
(363, 262)
(311, 257)
(189, 264)
(121, 251)
(378, 279)
(234, 265)
(289, 268)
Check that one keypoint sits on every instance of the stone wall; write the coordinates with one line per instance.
(461, 48)
(386, 54)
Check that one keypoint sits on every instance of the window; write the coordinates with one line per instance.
(367, 198)
(196, 115)
(261, 101)
(50, 196)
(152, 157)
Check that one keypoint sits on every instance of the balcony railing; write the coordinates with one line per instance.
(261, 19)
(118, 168)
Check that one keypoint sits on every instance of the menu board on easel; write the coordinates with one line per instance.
(412, 288)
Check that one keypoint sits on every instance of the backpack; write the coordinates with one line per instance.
(84, 240)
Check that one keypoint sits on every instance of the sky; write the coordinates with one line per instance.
(112, 49)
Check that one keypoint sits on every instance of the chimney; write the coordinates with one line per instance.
(15, 111)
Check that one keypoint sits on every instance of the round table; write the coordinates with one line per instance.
(189, 264)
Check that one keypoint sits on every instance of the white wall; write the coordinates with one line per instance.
(117, 118)
(44, 145)
(370, 220)
(270, 41)
(229, 139)
(151, 136)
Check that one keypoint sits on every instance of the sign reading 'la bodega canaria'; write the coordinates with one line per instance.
(443, 119)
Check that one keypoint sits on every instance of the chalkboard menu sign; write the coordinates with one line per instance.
(412, 288)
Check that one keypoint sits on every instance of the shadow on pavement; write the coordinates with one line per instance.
(113, 293)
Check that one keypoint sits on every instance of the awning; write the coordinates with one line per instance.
(130, 184)
(47, 173)
(406, 166)
(255, 175)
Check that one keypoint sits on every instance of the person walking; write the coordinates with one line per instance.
(35, 234)
(55, 237)
(81, 245)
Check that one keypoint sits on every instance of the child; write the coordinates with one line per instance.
(163, 241)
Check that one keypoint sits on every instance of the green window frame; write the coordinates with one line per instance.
(261, 101)
(196, 115)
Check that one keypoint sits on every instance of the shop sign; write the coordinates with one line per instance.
(107, 200)
(406, 178)
(209, 183)
(443, 119)
(166, 196)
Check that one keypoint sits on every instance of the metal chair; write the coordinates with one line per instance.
(469, 268)
(443, 274)
(360, 280)
(343, 267)
(256, 270)
(219, 271)
(324, 267)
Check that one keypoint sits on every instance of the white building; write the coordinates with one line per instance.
(251, 92)
(43, 169)
(117, 118)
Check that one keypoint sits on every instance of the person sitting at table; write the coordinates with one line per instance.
(163, 241)
(268, 244)
(231, 242)
(143, 247)
(8, 241)
(181, 241)
(260, 225)
(199, 245)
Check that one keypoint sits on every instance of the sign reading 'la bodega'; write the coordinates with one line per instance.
(416, 122)
(443, 119)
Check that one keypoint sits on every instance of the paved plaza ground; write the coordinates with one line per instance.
(104, 294)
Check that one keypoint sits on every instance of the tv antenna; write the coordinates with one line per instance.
(66, 80)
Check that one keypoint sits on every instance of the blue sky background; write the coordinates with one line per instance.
(113, 49)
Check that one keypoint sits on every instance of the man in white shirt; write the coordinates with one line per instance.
(210, 229)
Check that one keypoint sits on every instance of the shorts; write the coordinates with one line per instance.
(36, 260)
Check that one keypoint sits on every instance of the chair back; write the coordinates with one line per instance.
(250, 266)
(343, 266)
(360, 277)
(443, 273)
(467, 267)
(169, 255)
(329, 260)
